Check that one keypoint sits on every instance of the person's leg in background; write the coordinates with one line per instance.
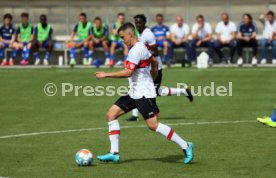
(273, 44)
(254, 44)
(264, 44)
(232, 46)
(48, 45)
(217, 48)
(240, 45)
(193, 50)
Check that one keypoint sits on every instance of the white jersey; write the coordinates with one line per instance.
(269, 29)
(206, 29)
(147, 37)
(140, 82)
(225, 31)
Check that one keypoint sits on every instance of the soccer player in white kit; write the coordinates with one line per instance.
(142, 95)
(146, 36)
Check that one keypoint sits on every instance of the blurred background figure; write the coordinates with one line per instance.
(7, 39)
(24, 37)
(247, 32)
(162, 36)
(226, 34)
(202, 37)
(116, 41)
(43, 39)
(83, 31)
(269, 36)
(99, 38)
(180, 37)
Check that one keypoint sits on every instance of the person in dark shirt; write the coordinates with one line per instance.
(162, 35)
(24, 37)
(99, 38)
(247, 32)
(43, 39)
(7, 39)
(83, 31)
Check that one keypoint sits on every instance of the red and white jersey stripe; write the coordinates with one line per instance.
(141, 83)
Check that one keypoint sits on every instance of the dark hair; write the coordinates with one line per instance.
(83, 14)
(200, 16)
(24, 14)
(125, 26)
(120, 14)
(43, 16)
(249, 16)
(9, 16)
(98, 18)
(159, 15)
(270, 13)
(141, 16)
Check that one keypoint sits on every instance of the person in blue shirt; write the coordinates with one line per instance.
(247, 32)
(43, 39)
(7, 39)
(162, 34)
(24, 37)
(99, 38)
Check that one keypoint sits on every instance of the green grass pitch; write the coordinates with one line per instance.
(222, 150)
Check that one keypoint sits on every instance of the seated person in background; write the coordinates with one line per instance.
(43, 39)
(226, 34)
(179, 37)
(269, 36)
(24, 38)
(162, 34)
(247, 32)
(7, 39)
(116, 41)
(83, 31)
(202, 37)
(99, 38)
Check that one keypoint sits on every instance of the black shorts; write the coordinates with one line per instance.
(157, 81)
(146, 106)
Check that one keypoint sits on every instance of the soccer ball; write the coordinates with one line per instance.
(84, 157)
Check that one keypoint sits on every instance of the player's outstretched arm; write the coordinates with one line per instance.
(120, 74)
(154, 67)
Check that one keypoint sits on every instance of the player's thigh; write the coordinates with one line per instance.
(125, 103)
(114, 112)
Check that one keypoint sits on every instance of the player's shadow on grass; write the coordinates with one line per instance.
(172, 118)
(167, 159)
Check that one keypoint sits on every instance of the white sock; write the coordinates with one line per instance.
(114, 134)
(135, 112)
(171, 135)
(165, 91)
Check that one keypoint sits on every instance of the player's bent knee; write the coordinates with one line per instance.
(152, 123)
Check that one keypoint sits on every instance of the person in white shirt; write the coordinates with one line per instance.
(226, 34)
(142, 95)
(179, 37)
(202, 37)
(269, 36)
